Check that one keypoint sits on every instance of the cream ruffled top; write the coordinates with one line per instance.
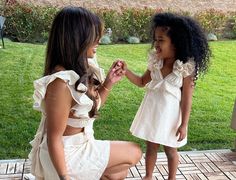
(83, 102)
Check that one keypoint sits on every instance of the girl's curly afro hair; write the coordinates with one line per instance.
(187, 36)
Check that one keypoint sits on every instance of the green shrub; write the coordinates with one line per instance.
(111, 20)
(136, 22)
(232, 24)
(212, 21)
(28, 23)
(105, 40)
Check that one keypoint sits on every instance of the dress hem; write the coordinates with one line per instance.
(159, 142)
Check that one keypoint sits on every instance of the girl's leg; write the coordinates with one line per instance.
(150, 159)
(173, 161)
(123, 155)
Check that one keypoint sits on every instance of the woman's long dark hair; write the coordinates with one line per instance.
(73, 31)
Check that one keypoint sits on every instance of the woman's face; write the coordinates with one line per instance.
(92, 49)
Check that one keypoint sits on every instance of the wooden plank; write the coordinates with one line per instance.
(162, 170)
(3, 168)
(129, 174)
(230, 175)
(11, 168)
(180, 177)
(186, 165)
(207, 167)
(186, 158)
(214, 167)
(134, 171)
(217, 157)
(210, 157)
(27, 166)
(19, 167)
(11, 177)
(202, 176)
(216, 176)
(188, 168)
(191, 172)
(200, 158)
(188, 176)
(158, 176)
(201, 167)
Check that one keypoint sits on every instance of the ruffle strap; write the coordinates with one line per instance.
(185, 69)
(153, 62)
(40, 86)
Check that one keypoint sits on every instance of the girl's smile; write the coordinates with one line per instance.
(163, 45)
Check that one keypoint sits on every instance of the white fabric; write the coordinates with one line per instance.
(84, 103)
(159, 115)
(99, 72)
(86, 157)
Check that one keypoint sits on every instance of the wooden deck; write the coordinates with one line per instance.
(194, 165)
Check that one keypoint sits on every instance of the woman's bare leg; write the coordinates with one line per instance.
(173, 161)
(123, 155)
(150, 159)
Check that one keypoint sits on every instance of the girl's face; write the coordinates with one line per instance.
(92, 49)
(163, 45)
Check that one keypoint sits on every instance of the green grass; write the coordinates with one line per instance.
(209, 127)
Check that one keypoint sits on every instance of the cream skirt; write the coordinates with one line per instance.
(86, 158)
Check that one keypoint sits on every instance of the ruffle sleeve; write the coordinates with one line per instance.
(40, 86)
(153, 62)
(186, 69)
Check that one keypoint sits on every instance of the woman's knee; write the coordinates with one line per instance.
(135, 153)
(123, 152)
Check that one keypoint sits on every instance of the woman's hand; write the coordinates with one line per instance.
(115, 74)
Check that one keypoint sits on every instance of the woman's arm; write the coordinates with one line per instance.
(186, 104)
(140, 81)
(57, 105)
(114, 75)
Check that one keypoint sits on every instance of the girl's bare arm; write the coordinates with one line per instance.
(140, 81)
(186, 104)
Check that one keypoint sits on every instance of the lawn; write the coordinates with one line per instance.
(214, 96)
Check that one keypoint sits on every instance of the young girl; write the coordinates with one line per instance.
(69, 96)
(180, 52)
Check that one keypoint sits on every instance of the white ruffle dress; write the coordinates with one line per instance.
(159, 114)
(86, 158)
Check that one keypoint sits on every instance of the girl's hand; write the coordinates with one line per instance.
(121, 63)
(181, 132)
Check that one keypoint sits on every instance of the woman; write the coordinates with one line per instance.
(69, 96)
